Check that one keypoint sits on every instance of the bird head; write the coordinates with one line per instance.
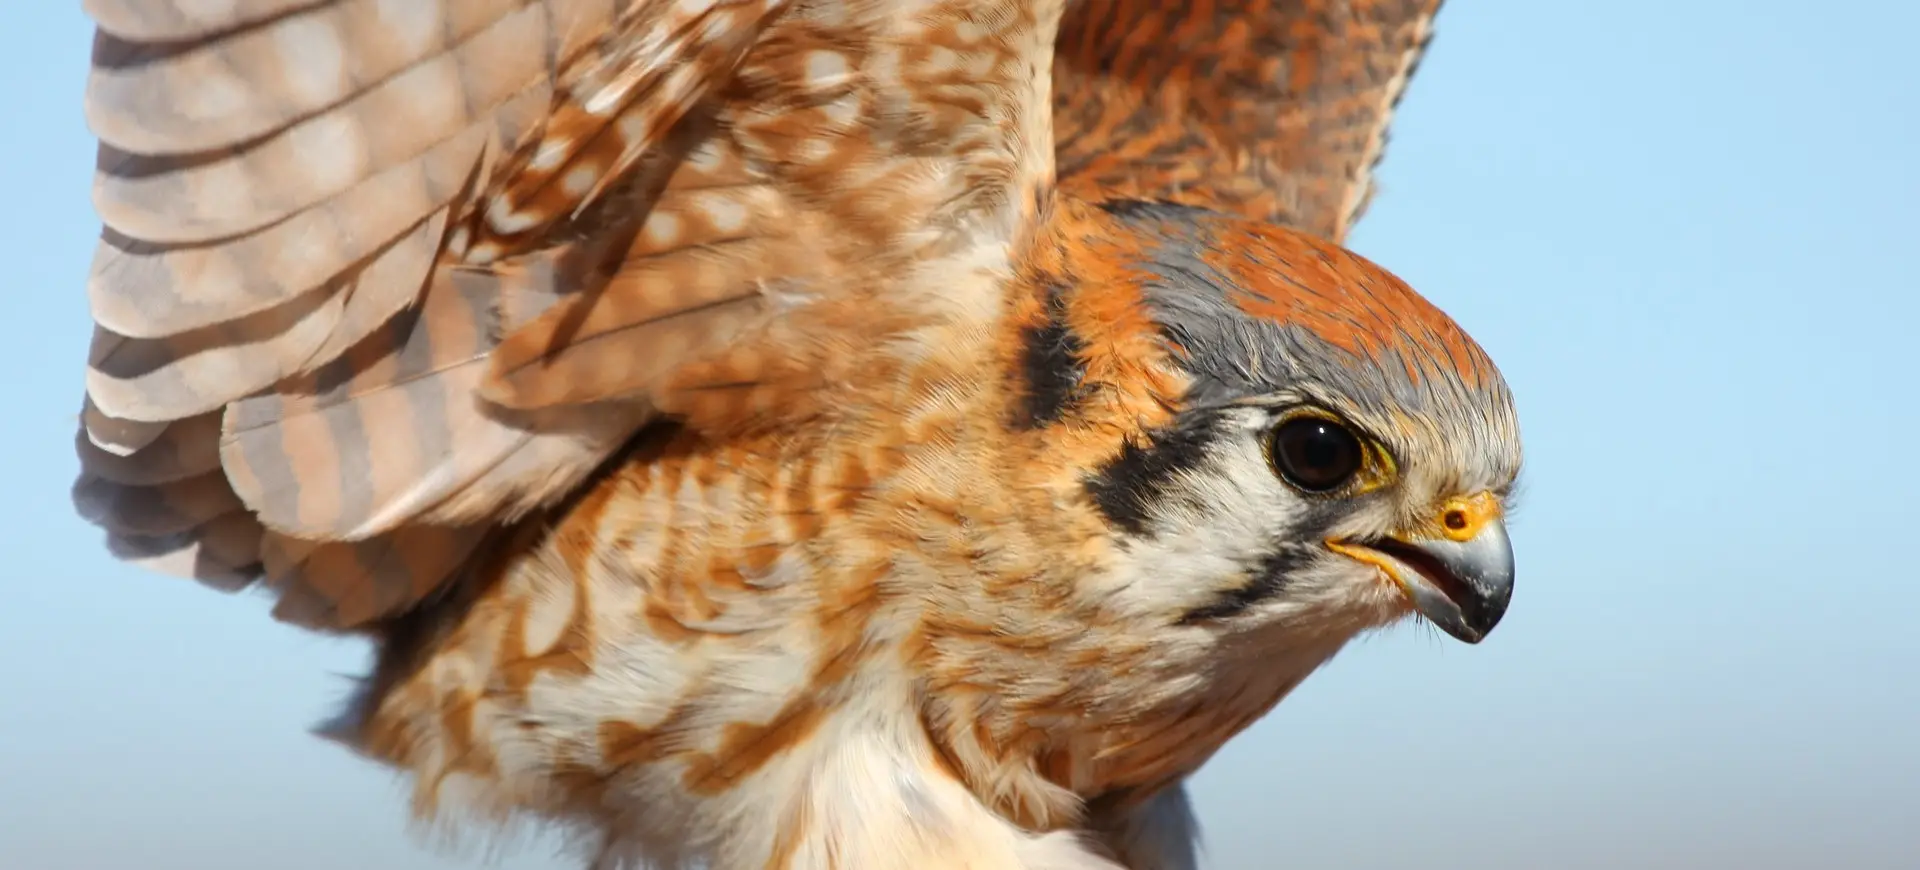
(1339, 453)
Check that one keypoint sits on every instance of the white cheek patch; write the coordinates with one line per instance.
(1209, 526)
(1211, 529)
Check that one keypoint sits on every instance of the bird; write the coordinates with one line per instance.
(786, 433)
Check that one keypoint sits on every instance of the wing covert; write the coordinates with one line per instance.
(377, 278)
(1273, 109)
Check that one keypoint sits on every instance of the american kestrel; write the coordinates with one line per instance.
(787, 433)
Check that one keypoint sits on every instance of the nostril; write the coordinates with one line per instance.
(1456, 519)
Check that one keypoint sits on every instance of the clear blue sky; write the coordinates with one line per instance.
(1686, 232)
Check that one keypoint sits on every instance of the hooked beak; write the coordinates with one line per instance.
(1458, 572)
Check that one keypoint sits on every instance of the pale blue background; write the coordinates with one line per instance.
(1684, 229)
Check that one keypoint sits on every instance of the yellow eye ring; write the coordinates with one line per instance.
(1318, 453)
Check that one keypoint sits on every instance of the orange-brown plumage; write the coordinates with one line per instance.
(775, 429)
(1275, 110)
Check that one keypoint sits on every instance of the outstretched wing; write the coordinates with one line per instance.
(1273, 109)
(377, 277)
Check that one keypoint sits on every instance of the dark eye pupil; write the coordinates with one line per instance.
(1315, 454)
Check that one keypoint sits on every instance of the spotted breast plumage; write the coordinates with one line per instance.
(787, 433)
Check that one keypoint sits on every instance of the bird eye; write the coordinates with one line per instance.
(1316, 454)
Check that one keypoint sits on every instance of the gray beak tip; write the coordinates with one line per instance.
(1462, 586)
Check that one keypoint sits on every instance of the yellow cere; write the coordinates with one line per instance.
(1463, 518)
